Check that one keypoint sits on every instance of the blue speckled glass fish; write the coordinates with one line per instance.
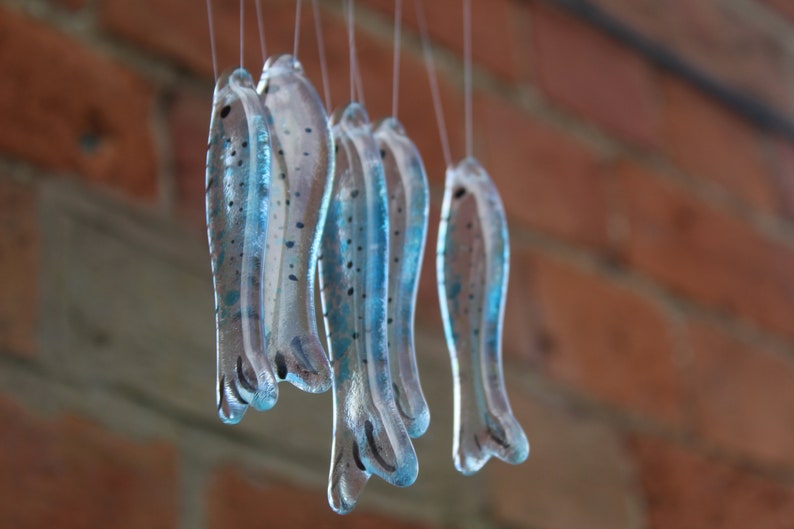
(300, 189)
(369, 436)
(472, 267)
(406, 186)
(238, 177)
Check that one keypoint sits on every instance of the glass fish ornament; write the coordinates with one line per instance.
(238, 178)
(368, 434)
(408, 200)
(472, 266)
(300, 189)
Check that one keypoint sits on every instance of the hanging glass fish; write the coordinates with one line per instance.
(472, 267)
(406, 186)
(238, 177)
(368, 435)
(300, 189)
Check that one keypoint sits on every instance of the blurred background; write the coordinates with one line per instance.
(645, 153)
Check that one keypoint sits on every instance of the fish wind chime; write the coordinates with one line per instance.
(288, 191)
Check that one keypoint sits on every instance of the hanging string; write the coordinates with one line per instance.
(467, 74)
(356, 86)
(396, 72)
(261, 27)
(321, 50)
(431, 77)
(351, 49)
(241, 33)
(297, 28)
(357, 69)
(212, 42)
(359, 84)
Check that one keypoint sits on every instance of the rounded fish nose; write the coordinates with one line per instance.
(471, 167)
(277, 66)
(282, 64)
(390, 124)
(236, 77)
(351, 116)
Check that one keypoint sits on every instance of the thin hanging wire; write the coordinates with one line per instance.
(241, 33)
(212, 41)
(357, 69)
(395, 95)
(359, 84)
(431, 77)
(467, 75)
(297, 28)
(351, 49)
(321, 50)
(261, 27)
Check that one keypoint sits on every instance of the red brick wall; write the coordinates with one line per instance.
(650, 321)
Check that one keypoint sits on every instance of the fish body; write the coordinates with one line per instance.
(408, 199)
(300, 189)
(369, 436)
(472, 266)
(237, 182)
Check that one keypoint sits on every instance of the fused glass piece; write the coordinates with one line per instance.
(369, 436)
(300, 188)
(406, 188)
(238, 177)
(472, 267)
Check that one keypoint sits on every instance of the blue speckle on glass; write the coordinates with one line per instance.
(472, 261)
(369, 437)
(406, 186)
(299, 204)
(237, 183)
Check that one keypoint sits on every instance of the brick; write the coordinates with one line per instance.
(71, 474)
(601, 338)
(547, 179)
(235, 499)
(709, 141)
(188, 120)
(428, 312)
(179, 30)
(18, 268)
(574, 477)
(71, 5)
(714, 37)
(782, 6)
(595, 76)
(648, 17)
(743, 396)
(135, 311)
(720, 40)
(120, 289)
(67, 110)
(496, 31)
(685, 490)
(523, 341)
(783, 156)
(705, 254)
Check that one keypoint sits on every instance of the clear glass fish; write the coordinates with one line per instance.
(369, 436)
(238, 177)
(472, 266)
(300, 189)
(408, 199)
